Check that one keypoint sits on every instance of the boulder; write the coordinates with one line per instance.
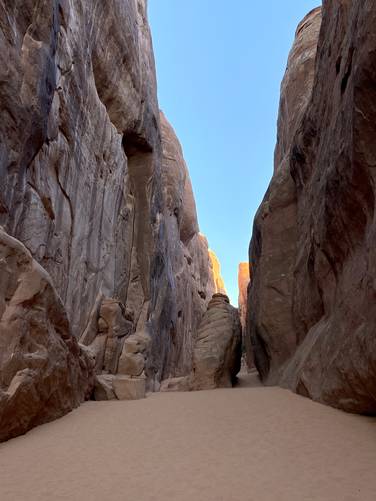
(183, 383)
(217, 351)
(137, 343)
(131, 364)
(44, 372)
(129, 388)
(103, 389)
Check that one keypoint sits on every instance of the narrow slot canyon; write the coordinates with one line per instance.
(133, 363)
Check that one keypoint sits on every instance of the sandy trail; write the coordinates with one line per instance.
(247, 444)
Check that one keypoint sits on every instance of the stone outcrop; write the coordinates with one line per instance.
(44, 372)
(312, 308)
(219, 283)
(125, 349)
(217, 352)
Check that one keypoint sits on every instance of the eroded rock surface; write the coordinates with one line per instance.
(273, 246)
(312, 295)
(193, 281)
(243, 286)
(219, 283)
(44, 372)
(94, 184)
(217, 352)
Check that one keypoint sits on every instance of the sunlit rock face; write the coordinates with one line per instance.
(219, 283)
(244, 273)
(273, 247)
(312, 295)
(243, 281)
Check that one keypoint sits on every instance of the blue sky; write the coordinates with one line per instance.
(219, 68)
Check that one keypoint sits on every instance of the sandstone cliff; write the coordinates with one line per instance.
(243, 281)
(193, 280)
(312, 313)
(244, 273)
(219, 283)
(96, 188)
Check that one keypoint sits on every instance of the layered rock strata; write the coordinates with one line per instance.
(312, 313)
(217, 353)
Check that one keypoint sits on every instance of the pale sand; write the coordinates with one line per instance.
(248, 443)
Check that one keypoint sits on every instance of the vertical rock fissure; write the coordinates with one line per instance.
(140, 168)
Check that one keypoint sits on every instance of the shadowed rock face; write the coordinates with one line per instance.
(217, 352)
(81, 168)
(79, 115)
(320, 340)
(44, 372)
(88, 187)
(273, 248)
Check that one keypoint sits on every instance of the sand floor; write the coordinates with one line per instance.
(242, 444)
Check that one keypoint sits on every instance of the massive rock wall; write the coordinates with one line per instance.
(191, 273)
(273, 246)
(79, 114)
(87, 186)
(313, 328)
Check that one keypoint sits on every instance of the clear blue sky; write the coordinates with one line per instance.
(219, 68)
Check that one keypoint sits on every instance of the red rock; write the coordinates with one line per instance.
(217, 352)
(273, 246)
(219, 283)
(86, 180)
(313, 329)
(243, 281)
(44, 372)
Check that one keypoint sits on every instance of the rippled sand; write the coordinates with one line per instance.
(248, 444)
